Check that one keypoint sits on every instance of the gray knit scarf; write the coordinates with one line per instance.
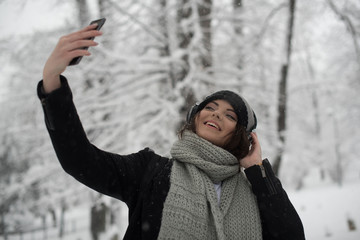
(191, 209)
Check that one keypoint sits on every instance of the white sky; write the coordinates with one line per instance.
(23, 17)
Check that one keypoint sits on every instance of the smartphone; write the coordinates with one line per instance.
(100, 23)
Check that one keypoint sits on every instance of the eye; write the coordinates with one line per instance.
(231, 117)
(209, 108)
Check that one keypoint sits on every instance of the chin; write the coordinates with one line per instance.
(209, 137)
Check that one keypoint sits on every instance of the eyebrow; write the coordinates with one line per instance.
(218, 105)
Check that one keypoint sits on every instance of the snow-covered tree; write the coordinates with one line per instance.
(158, 57)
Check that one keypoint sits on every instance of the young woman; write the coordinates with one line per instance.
(200, 192)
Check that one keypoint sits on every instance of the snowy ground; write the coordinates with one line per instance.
(325, 212)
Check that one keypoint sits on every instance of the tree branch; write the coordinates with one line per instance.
(147, 28)
(267, 20)
(349, 26)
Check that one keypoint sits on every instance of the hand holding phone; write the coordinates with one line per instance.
(67, 50)
(100, 23)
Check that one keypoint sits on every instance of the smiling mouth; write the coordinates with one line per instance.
(212, 125)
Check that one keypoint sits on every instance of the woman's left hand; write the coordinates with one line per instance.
(254, 155)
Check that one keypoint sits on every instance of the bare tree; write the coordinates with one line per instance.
(194, 36)
(282, 98)
(205, 19)
(238, 29)
(350, 26)
(83, 12)
(184, 35)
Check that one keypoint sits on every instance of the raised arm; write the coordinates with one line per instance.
(67, 48)
(115, 175)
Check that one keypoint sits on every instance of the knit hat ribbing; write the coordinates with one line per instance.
(246, 115)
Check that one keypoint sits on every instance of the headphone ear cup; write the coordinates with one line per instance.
(191, 113)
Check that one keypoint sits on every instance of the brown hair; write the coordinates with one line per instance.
(238, 144)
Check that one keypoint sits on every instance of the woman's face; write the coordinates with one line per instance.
(216, 122)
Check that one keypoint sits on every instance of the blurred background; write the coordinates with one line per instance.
(296, 62)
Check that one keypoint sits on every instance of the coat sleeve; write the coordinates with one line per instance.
(119, 176)
(278, 216)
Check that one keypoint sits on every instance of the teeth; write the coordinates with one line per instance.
(212, 124)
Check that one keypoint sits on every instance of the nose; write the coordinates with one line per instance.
(216, 114)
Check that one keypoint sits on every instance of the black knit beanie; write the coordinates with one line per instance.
(246, 116)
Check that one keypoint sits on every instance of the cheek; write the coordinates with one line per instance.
(230, 126)
(229, 134)
(196, 123)
(230, 131)
(199, 118)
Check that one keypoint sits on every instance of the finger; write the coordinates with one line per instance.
(253, 142)
(80, 44)
(89, 33)
(254, 137)
(87, 28)
(92, 26)
(77, 53)
(82, 35)
(256, 144)
(254, 134)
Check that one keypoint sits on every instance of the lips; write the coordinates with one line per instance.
(213, 124)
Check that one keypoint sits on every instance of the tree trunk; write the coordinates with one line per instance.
(338, 175)
(109, 8)
(165, 48)
(102, 8)
(204, 11)
(3, 225)
(184, 37)
(350, 26)
(186, 34)
(316, 107)
(163, 23)
(53, 217)
(282, 98)
(62, 220)
(238, 30)
(203, 55)
(98, 219)
(238, 7)
(44, 227)
(83, 12)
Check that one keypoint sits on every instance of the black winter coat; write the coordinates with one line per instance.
(142, 179)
